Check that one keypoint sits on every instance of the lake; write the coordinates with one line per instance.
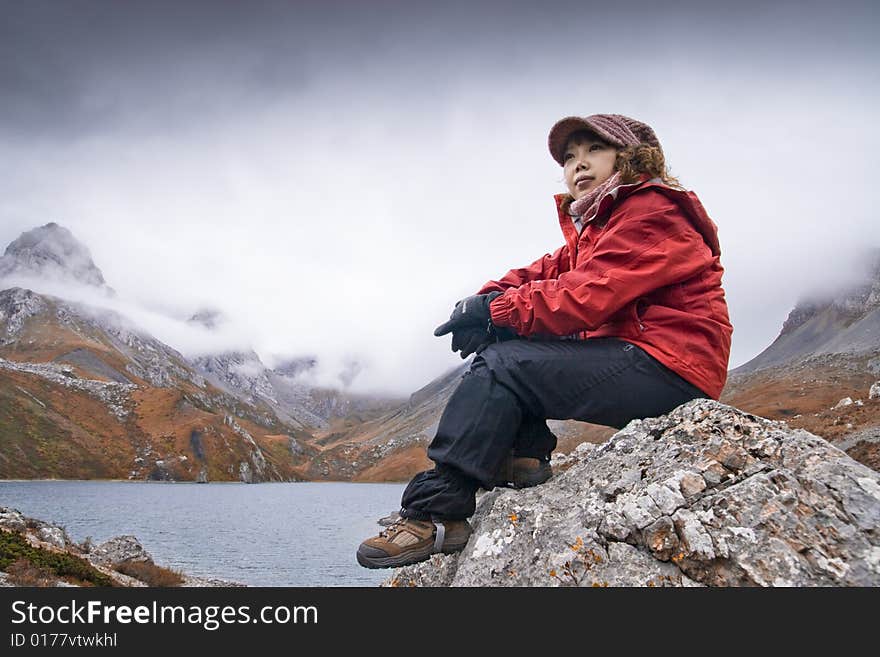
(271, 534)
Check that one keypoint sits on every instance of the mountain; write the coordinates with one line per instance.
(84, 393)
(243, 373)
(51, 252)
(827, 352)
(845, 323)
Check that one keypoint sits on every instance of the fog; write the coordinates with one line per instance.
(333, 177)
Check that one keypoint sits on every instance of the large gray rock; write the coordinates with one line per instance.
(12, 519)
(707, 495)
(119, 549)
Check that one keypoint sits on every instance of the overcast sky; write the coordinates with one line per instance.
(333, 176)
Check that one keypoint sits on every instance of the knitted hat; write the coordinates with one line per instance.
(616, 129)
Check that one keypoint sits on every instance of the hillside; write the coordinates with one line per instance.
(85, 396)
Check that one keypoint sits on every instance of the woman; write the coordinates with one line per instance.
(626, 320)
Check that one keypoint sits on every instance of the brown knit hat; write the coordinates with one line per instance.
(616, 129)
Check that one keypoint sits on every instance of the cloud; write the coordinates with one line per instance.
(191, 339)
(334, 186)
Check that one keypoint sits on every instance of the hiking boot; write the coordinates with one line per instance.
(522, 472)
(407, 541)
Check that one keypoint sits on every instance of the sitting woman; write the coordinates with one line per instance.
(626, 320)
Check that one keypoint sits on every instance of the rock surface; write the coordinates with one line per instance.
(705, 496)
(119, 549)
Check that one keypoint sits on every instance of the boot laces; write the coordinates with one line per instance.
(393, 528)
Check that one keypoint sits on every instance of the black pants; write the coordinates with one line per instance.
(507, 394)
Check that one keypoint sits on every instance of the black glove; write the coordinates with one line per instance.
(470, 312)
(471, 340)
(474, 340)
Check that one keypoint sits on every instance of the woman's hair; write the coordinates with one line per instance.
(633, 161)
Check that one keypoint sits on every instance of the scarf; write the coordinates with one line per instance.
(584, 209)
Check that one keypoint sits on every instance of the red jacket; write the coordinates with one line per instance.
(646, 269)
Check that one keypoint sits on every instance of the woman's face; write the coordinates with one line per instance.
(587, 163)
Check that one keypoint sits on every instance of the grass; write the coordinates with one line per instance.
(14, 548)
(23, 572)
(150, 573)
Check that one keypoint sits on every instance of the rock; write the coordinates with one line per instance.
(624, 483)
(192, 581)
(723, 498)
(695, 540)
(661, 538)
(846, 401)
(12, 519)
(615, 527)
(294, 447)
(52, 535)
(119, 549)
(874, 392)
(690, 484)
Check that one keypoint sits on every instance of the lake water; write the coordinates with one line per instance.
(272, 534)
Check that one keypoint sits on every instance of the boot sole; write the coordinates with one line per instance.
(406, 558)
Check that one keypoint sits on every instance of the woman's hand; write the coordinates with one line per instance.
(470, 312)
(471, 340)
(471, 325)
